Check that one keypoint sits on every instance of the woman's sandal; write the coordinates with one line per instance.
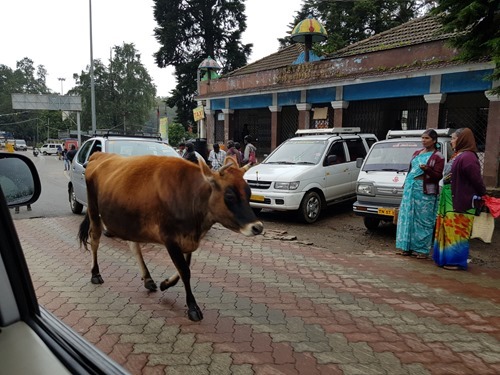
(421, 256)
(452, 268)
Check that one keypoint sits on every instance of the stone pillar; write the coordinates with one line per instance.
(492, 147)
(304, 115)
(433, 106)
(227, 123)
(275, 126)
(210, 126)
(339, 106)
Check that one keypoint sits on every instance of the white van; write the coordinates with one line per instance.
(20, 145)
(308, 172)
(379, 188)
(50, 148)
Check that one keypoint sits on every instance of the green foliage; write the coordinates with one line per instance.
(176, 134)
(24, 124)
(349, 22)
(481, 20)
(124, 91)
(188, 32)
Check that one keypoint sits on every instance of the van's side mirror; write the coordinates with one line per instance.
(331, 159)
(359, 162)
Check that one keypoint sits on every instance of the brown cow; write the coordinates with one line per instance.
(164, 200)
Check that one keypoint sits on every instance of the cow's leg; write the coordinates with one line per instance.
(174, 279)
(146, 276)
(182, 265)
(95, 232)
(95, 236)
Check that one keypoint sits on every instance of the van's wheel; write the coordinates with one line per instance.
(45, 152)
(371, 223)
(310, 208)
(76, 207)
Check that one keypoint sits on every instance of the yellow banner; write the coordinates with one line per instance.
(198, 113)
(163, 127)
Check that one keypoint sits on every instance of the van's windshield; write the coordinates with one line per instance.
(299, 151)
(391, 156)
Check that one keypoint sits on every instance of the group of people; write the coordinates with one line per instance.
(217, 155)
(438, 206)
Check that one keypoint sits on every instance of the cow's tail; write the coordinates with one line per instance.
(83, 232)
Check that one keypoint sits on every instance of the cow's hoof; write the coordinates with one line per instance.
(195, 314)
(151, 285)
(165, 284)
(96, 279)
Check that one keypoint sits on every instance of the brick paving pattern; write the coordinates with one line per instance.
(270, 307)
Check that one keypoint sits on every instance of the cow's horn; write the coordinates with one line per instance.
(246, 167)
(224, 167)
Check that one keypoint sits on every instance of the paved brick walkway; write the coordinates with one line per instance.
(270, 307)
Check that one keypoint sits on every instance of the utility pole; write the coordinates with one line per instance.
(92, 84)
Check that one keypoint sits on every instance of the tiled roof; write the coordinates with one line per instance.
(417, 31)
(284, 57)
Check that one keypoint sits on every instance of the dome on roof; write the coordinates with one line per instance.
(209, 63)
(309, 27)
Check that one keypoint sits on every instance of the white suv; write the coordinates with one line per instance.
(308, 172)
(122, 145)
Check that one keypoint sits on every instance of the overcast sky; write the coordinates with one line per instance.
(56, 34)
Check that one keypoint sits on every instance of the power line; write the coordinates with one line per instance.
(14, 114)
(19, 122)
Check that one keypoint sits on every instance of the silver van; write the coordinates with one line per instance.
(379, 187)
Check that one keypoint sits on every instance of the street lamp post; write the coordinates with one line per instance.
(62, 80)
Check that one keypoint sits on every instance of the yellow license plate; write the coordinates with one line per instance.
(386, 211)
(257, 198)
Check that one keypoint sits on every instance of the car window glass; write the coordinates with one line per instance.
(84, 150)
(391, 156)
(337, 149)
(356, 149)
(370, 142)
(298, 151)
(97, 146)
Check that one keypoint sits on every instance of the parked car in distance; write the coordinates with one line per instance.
(379, 187)
(118, 144)
(20, 145)
(32, 340)
(310, 171)
(50, 148)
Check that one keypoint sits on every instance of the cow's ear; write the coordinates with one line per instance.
(207, 173)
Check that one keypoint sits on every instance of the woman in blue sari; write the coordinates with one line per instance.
(418, 209)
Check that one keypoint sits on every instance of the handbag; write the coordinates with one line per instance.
(251, 158)
(483, 227)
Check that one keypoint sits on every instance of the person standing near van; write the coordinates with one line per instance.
(417, 213)
(462, 181)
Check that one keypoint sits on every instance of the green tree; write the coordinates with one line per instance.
(124, 91)
(349, 22)
(190, 31)
(176, 134)
(480, 19)
(25, 79)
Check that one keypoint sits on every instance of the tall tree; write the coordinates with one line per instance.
(124, 91)
(191, 30)
(481, 21)
(349, 22)
(25, 79)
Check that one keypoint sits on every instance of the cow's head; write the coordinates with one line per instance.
(229, 201)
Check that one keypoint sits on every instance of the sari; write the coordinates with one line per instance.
(453, 229)
(417, 212)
